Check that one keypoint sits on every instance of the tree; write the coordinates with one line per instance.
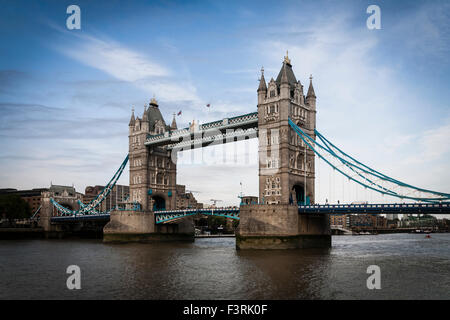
(14, 207)
(214, 222)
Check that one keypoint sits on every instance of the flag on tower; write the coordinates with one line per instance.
(179, 113)
(208, 105)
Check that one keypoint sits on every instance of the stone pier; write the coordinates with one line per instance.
(140, 226)
(281, 227)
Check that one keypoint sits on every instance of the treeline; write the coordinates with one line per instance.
(13, 207)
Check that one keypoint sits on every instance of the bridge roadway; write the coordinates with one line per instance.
(398, 208)
(233, 212)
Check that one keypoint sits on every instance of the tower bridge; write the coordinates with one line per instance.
(287, 215)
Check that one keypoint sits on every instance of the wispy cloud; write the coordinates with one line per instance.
(431, 145)
(114, 59)
(128, 65)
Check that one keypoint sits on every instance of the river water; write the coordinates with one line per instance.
(412, 267)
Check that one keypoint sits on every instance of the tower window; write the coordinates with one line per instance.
(272, 93)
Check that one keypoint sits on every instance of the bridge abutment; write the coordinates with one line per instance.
(280, 226)
(140, 226)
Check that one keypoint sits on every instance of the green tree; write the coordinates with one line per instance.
(214, 222)
(14, 207)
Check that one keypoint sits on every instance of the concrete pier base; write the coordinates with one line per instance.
(139, 226)
(281, 227)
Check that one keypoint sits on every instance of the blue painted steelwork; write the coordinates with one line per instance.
(330, 150)
(207, 133)
(408, 208)
(87, 209)
(95, 212)
(387, 178)
(233, 213)
(170, 215)
(306, 137)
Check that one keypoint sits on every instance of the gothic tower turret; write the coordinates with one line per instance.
(173, 126)
(286, 166)
(262, 89)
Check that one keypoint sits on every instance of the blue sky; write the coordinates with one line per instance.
(66, 95)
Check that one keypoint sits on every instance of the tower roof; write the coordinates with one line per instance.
(153, 115)
(286, 72)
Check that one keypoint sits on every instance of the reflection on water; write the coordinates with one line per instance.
(412, 267)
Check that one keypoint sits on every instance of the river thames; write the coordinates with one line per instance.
(412, 267)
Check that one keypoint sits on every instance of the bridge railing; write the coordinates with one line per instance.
(234, 122)
(378, 208)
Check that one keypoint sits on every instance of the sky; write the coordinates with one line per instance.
(66, 95)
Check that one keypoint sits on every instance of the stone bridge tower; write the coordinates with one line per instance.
(286, 170)
(152, 170)
(152, 185)
(286, 165)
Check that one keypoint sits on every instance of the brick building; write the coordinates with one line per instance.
(339, 220)
(186, 199)
(367, 221)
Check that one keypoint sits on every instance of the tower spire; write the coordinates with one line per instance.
(311, 92)
(173, 126)
(153, 102)
(144, 116)
(262, 82)
(132, 120)
(286, 58)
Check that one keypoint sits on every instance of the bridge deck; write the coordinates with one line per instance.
(233, 212)
(407, 208)
(208, 133)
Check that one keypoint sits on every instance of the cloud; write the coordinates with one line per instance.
(128, 65)
(431, 145)
(114, 59)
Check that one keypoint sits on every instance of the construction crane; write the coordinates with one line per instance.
(215, 201)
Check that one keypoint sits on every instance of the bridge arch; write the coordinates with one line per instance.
(159, 202)
(298, 194)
